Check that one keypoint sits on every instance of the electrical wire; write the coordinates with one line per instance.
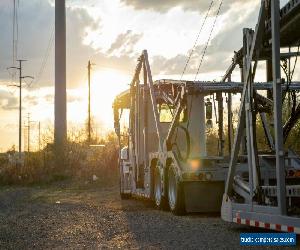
(15, 36)
(15, 31)
(205, 50)
(17, 27)
(45, 58)
(191, 103)
(196, 41)
(11, 83)
(208, 40)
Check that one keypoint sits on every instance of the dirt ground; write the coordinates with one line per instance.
(71, 216)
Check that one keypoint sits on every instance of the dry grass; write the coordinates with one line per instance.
(81, 163)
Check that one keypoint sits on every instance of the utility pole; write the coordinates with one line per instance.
(20, 102)
(89, 101)
(25, 135)
(60, 126)
(28, 127)
(39, 136)
(28, 132)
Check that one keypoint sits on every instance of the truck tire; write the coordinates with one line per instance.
(159, 199)
(124, 196)
(175, 193)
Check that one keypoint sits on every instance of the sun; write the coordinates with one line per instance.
(105, 85)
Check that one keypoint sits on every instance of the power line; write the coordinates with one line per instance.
(208, 40)
(46, 56)
(17, 26)
(21, 77)
(11, 83)
(15, 36)
(196, 41)
(14, 33)
(15, 29)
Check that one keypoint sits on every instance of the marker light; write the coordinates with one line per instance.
(208, 176)
(195, 164)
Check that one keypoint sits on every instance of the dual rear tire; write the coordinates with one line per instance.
(160, 200)
(174, 196)
(175, 193)
(124, 196)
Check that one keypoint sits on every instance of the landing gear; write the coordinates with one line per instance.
(175, 193)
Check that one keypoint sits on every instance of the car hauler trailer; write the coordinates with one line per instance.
(167, 160)
(164, 154)
(247, 199)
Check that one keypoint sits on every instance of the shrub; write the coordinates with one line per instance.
(82, 162)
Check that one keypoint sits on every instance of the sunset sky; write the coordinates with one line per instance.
(112, 34)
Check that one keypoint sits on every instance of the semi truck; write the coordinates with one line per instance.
(182, 146)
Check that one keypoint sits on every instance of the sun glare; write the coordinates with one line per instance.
(105, 85)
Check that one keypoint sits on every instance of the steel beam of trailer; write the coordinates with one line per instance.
(277, 100)
(275, 29)
(255, 190)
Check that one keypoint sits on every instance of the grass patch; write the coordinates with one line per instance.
(82, 164)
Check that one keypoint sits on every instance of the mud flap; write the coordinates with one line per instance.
(226, 210)
(203, 196)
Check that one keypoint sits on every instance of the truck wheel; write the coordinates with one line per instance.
(160, 200)
(124, 196)
(175, 194)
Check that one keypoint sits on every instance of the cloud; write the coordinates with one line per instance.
(122, 53)
(221, 48)
(74, 98)
(34, 36)
(31, 100)
(49, 98)
(124, 43)
(190, 5)
(8, 101)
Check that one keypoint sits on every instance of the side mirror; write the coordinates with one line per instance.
(209, 124)
(124, 154)
(209, 109)
(117, 129)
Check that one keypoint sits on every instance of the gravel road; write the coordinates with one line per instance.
(67, 216)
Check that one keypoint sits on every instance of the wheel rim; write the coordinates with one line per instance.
(172, 190)
(157, 188)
